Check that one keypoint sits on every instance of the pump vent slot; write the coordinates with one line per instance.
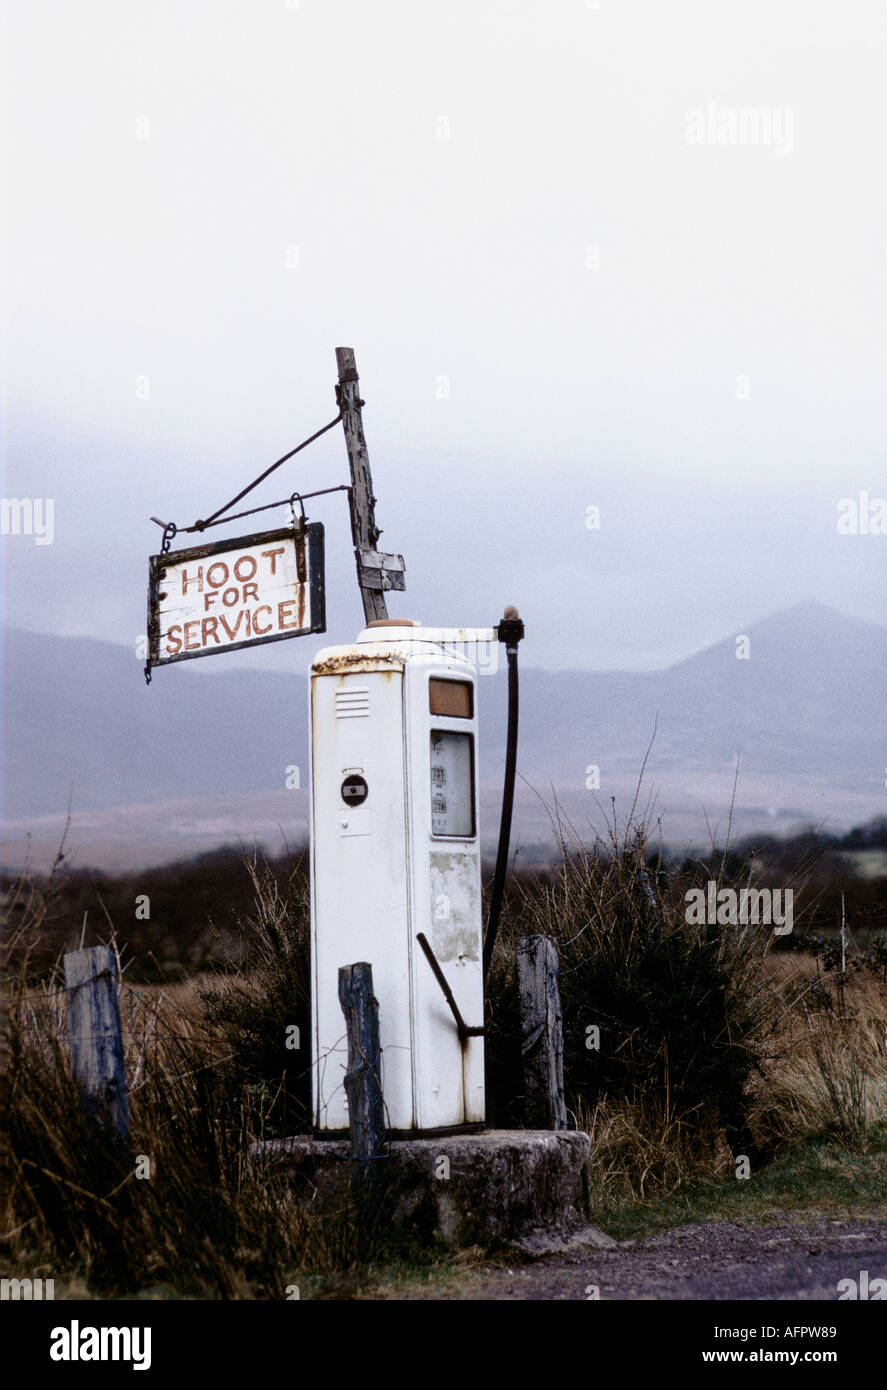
(353, 703)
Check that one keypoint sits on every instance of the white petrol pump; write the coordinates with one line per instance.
(395, 857)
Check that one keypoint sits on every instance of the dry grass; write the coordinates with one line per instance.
(727, 1047)
(829, 1076)
(685, 1014)
(822, 1093)
(711, 1045)
(208, 1221)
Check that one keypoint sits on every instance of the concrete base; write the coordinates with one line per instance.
(527, 1189)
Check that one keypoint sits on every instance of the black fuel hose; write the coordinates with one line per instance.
(510, 631)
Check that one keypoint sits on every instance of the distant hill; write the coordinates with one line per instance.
(810, 701)
(199, 760)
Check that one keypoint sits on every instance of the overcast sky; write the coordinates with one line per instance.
(626, 255)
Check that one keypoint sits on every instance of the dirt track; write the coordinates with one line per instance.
(720, 1261)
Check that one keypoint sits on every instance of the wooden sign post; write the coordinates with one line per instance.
(376, 572)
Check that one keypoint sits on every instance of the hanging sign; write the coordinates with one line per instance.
(235, 594)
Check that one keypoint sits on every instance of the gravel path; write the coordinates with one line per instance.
(724, 1260)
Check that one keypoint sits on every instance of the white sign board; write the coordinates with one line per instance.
(235, 593)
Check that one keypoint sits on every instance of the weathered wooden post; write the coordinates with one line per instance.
(542, 1031)
(95, 1044)
(363, 1079)
(376, 572)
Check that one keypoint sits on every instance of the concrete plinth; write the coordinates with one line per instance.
(525, 1188)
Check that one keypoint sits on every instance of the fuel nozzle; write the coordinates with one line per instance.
(510, 629)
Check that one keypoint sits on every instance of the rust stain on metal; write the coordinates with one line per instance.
(357, 661)
(301, 588)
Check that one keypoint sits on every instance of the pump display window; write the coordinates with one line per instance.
(452, 784)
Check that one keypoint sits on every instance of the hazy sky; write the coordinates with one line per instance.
(624, 255)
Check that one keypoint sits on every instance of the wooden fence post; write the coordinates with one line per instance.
(542, 1031)
(363, 1083)
(95, 1044)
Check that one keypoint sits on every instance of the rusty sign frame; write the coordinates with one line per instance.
(309, 553)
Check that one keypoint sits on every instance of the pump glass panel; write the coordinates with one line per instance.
(452, 783)
(452, 698)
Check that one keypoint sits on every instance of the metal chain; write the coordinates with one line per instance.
(170, 530)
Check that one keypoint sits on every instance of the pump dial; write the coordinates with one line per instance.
(354, 790)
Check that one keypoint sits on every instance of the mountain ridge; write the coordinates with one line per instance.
(803, 709)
